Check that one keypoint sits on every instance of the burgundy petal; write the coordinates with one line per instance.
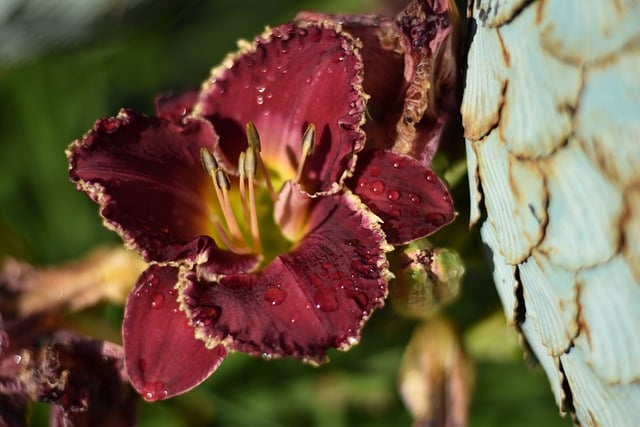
(410, 199)
(176, 106)
(316, 297)
(146, 175)
(163, 358)
(290, 78)
(384, 80)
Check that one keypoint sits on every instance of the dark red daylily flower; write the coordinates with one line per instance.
(83, 379)
(42, 360)
(266, 202)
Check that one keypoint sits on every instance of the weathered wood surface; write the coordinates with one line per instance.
(551, 111)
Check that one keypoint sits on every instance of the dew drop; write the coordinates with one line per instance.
(362, 182)
(393, 195)
(308, 80)
(430, 176)
(414, 198)
(397, 164)
(374, 170)
(326, 299)
(108, 125)
(435, 218)
(260, 99)
(338, 57)
(157, 300)
(274, 296)
(377, 187)
(360, 298)
(261, 89)
(153, 391)
(206, 315)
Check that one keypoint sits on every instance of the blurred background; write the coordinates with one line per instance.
(64, 64)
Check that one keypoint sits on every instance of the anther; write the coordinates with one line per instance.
(308, 142)
(208, 161)
(222, 180)
(252, 137)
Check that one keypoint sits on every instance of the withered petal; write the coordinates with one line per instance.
(410, 199)
(146, 175)
(289, 78)
(304, 302)
(163, 358)
(410, 74)
(430, 42)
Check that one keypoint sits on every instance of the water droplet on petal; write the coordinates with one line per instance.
(261, 89)
(326, 299)
(397, 164)
(206, 315)
(377, 187)
(274, 296)
(430, 176)
(360, 298)
(414, 198)
(260, 99)
(362, 182)
(308, 79)
(338, 57)
(108, 125)
(435, 218)
(153, 280)
(154, 391)
(157, 300)
(393, 195)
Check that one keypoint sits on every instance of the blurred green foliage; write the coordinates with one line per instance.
(54, 98)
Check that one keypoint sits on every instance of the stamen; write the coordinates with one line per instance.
(241, 178)
(308, 141)
(211, 166)
(227, 240)
(250, 170)
(221, 185)
(222, 181)
(253, 138)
